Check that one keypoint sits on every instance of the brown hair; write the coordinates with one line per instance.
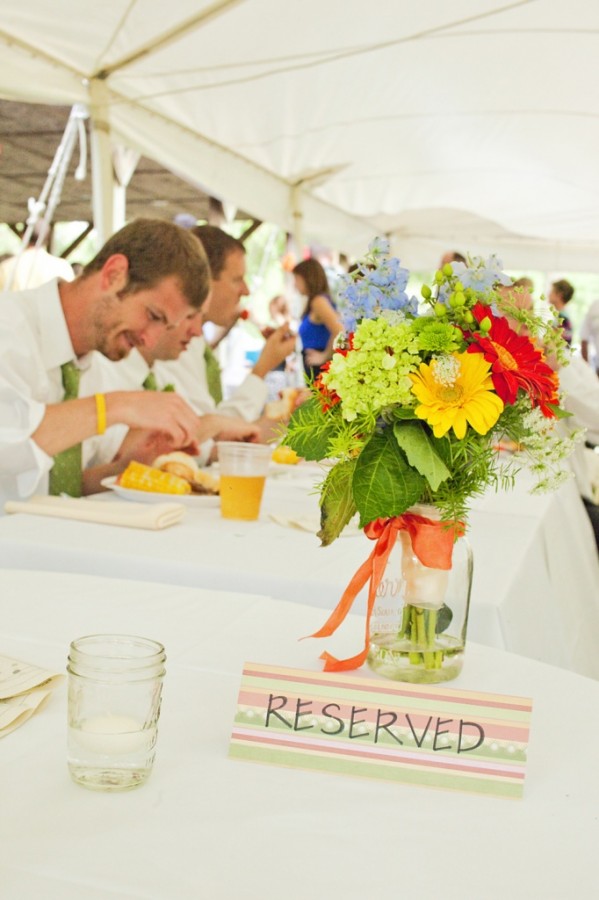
(564, 289)
(218, 246)
(314, 276)
(156, 250)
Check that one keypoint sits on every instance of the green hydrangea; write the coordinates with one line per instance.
(375, 374)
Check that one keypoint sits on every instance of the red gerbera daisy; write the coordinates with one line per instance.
(516, 363)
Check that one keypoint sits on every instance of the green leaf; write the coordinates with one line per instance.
(558, 412)
(384, 483)
(444, 617)
(403, 412)
(421, 453)
(336, 501)
(310, 430)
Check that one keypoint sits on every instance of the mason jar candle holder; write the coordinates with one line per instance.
(114, 693)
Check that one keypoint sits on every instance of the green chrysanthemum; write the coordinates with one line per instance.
(437, 337)
(375, 373)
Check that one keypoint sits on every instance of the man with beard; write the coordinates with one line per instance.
(146, 279)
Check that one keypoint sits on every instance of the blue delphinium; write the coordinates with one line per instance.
(480, 275)
(378, 283)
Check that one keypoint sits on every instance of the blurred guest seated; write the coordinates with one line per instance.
(589, 336)
(451, 256)
(196, 373)
(559, 296)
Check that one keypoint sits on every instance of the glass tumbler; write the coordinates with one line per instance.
(114, 691)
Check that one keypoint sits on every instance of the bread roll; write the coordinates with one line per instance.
(282, 409)
(185, 466)
(178, 463)
(204, 483)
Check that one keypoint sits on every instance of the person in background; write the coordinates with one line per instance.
(589, 336)
(580, 392)
(527, 284)
(320, 323)
(559, 296)
(452, 256)
(196, 373)
(33, 266)
(147, 278)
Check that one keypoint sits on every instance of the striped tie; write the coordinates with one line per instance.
(65, 475)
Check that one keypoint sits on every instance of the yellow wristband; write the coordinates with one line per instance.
(101, 413)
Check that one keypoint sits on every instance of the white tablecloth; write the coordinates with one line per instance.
(536, 571)
(207, 827)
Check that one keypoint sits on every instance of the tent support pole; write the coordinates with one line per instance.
(102, 169)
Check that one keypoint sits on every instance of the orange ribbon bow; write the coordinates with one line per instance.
(432, 543)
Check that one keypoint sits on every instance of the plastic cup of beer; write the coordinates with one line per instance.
(243, 470)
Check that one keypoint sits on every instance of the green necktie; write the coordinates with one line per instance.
(150, 383)
(213, 381)
(65, 475)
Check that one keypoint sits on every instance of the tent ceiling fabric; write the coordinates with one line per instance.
(468, 123)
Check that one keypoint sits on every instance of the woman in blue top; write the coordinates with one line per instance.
(320, 323)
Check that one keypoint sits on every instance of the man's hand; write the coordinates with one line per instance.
(277, 348)
(144, 446)
(157, 411)
(238, 430)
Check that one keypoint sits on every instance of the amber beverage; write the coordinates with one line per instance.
(243, 469)
(241, 496)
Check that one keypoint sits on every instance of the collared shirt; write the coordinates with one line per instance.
(188, 375)
(589, 331)
(34, 343)
(580, 388)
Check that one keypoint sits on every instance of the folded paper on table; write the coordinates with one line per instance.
(23, 690)
(311, 524)
(129, 515)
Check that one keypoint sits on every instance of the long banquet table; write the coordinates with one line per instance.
(205, 826)
(536, 570)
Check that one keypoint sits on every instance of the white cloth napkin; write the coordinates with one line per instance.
(129, 515)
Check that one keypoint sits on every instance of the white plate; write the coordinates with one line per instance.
(153, 497)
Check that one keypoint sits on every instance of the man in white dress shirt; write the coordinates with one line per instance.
(589, 336)
(188, 373)
(147, 278)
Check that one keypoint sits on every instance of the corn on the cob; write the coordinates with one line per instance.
(139, 477)
(285, 455)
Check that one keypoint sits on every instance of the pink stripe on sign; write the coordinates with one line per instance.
(343, 747)
(398, 758)
(475, 699)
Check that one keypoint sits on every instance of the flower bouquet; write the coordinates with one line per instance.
(411, 411)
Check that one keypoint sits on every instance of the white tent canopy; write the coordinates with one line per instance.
(470, 125)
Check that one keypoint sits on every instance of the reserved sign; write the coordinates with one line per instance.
(415, 734)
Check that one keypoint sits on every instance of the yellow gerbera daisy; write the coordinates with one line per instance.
(465, 398)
